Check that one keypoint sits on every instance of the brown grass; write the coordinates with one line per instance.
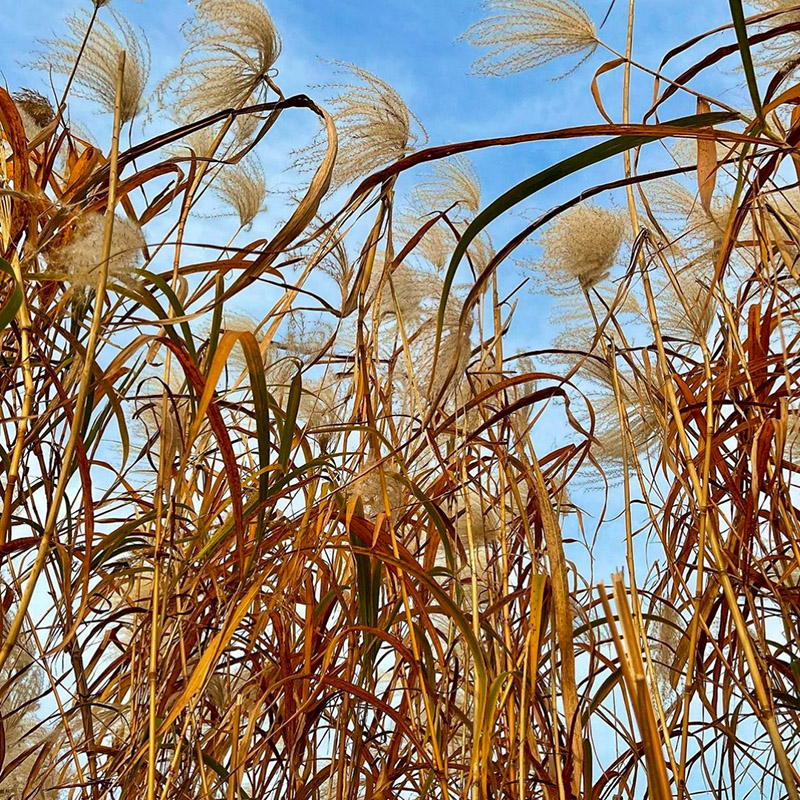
(323, 553)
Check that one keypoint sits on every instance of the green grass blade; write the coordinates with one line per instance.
(14, 301)
(740, 26)
(569, 166)
(290, 419)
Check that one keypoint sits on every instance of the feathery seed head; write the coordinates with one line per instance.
(35, 110)
(161, 425)
(781, 210)
(304, 337)
(232, 46)
(454, 180)
(96, 76)
(205, 143)
(525, 366)
(412, 287)
(478, 520)
(523, 34)
(437, 244)
(369, 487)
(23, 682)
(374, 124)
(454, 355)
(238, 322)
(688, 319)
(81, 256)
(666, 637)
(200, 143)
(641, 427)
(582, 244)
(243, 187)
(674, 201)
(780, 51)
(792, 442)
(336, 263)
(320, 407)
(235, 322)
(279, 371)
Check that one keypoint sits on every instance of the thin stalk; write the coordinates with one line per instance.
(80, 408)
(720, 567)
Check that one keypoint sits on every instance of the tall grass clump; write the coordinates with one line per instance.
(286, 512)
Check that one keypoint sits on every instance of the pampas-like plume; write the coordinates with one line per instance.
(673, 201)
(523, 34)
(781, 51)
(688, 319)
(643, 421)
(437, 245)
(232, 46)
(665, 641)
(582, 244)
(35, 111)
(321, 408)
(200, 143)
(23, 683)
(455, 350)
(454, 187)
(369, 488)
(81, 256)
(243, 187)
(454, 181)
(479, 520)
(375, 127)
(96, 76)
(162, 425)
(412, 288)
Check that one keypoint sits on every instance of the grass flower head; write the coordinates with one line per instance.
(374, 124)
(232, 47)
(96, 75)
(523, 34)
(582, 244)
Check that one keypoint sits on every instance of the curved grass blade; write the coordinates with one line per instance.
(14, 301)
(290, 419)
(525, 189)
(739, 24)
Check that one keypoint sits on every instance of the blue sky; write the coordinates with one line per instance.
(412, 44)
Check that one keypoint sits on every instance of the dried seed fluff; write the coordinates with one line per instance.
(582, 244)
(96, 76)
(522, 34)
(81, 257)
(232, 46)
(374, 124)
(243, 187)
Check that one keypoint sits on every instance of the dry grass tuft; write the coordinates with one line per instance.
(375, 126)
(96, 75)
(243, 186)
(232, 48)
(523, 34)
(279, 520)
(582, 245)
